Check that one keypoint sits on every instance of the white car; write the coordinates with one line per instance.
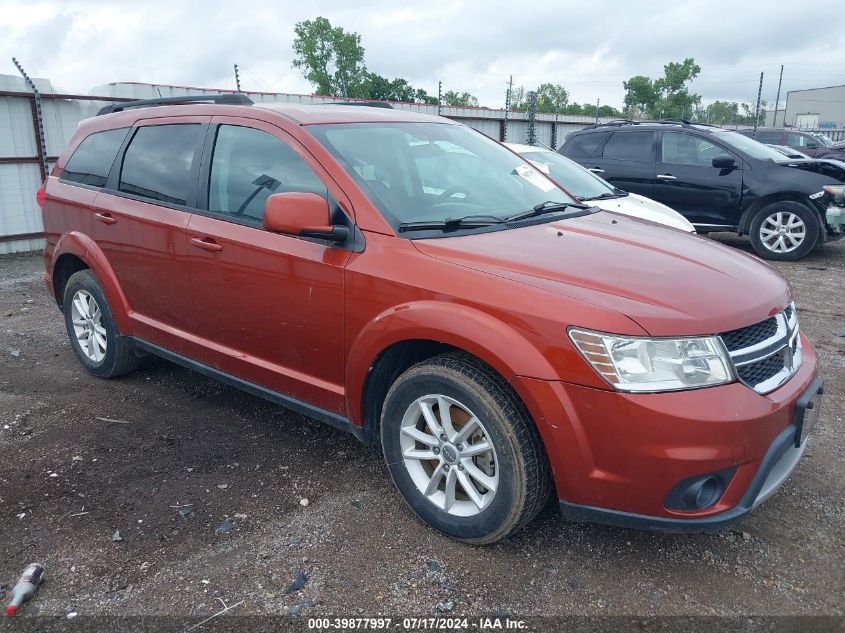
(587, 187)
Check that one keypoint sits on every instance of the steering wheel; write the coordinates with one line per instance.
(454, 190)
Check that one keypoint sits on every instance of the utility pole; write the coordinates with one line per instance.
(439, 96)
(40, 143)
(237, 78)
(777, 100)
(757, 108)
(507, 107)
(597, 110)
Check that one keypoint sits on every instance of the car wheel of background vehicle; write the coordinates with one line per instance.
(462, 449)
(92, 330)
(784, 231)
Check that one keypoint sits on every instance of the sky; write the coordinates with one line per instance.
(590, 47)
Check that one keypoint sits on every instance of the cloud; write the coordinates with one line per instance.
(590, 48)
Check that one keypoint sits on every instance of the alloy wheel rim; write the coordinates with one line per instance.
(783, 232)
(88, 326)
(449, 455)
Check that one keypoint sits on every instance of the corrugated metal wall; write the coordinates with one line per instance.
(19, 180)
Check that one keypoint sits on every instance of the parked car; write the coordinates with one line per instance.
(719, 180)
(498, 339)
(587, 187)
(812, 144)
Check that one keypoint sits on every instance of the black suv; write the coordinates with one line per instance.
(720, 181)
(810, 143)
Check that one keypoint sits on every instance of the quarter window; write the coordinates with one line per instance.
(250, 165)
(635, 146)
(91, 162)
(158, 162)
(585, 145)
(685, 149)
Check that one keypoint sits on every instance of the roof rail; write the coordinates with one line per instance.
(222, 99)
(620, 122)
(371, 104)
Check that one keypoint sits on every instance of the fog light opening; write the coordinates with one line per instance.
(700, 492)
(708, 492)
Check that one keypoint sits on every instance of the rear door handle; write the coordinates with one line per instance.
(667, 177)
(105, 218)
(206, 244)
(597, 170)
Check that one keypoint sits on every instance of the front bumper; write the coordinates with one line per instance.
(617, 457)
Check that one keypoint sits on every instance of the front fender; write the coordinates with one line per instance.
(466, 328)
(86, 249)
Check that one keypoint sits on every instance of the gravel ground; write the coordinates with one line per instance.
(165, 493)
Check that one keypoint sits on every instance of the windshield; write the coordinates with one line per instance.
(571, 176)
(753, 148)
(825, 139)
(417, 172)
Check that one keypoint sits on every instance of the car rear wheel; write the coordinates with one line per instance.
(92, 330)
(463, 450)
(784, 231)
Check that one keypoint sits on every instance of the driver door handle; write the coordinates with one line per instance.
(206, 244)
(105, 217)
(597, 170)
(667, 177)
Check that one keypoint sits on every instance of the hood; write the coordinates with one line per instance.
(671, 283)
(828, 168)
(646, 209)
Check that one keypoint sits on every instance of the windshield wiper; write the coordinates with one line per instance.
(549, 206)
(606, 196)
(466, 222)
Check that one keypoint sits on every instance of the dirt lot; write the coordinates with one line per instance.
(164, 457)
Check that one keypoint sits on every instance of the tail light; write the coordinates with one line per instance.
(41, 196)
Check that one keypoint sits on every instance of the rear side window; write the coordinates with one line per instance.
(585, 145)
(635, 146)
(770, 138)
(92, 160)
(158, 161)
(250, 165)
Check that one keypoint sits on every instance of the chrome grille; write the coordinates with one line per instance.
(766, 354)
(751, 335)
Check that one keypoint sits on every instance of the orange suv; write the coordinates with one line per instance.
(409, 280)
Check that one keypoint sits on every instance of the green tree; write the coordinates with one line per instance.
(667, 97)
(329, 57)
(641, 96)
(381, 88)
(552, 98)
(676, 102)
(460, 99)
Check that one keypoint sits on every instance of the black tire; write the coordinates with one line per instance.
(524, 484)
(120, 357)
(807, 244)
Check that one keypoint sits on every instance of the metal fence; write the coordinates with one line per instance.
(22, 152)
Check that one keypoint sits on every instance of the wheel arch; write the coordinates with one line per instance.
(77, 251)
(789, 196)
(405, 335)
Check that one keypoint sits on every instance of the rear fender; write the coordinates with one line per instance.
(86, 249)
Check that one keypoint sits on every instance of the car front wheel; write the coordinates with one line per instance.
(463, 450)
(784, 231)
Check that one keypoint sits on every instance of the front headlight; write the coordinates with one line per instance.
(837, 192)
(655, 364)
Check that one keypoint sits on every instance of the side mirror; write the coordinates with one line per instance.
(724, 161)
(812, 145)
(305, 214)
